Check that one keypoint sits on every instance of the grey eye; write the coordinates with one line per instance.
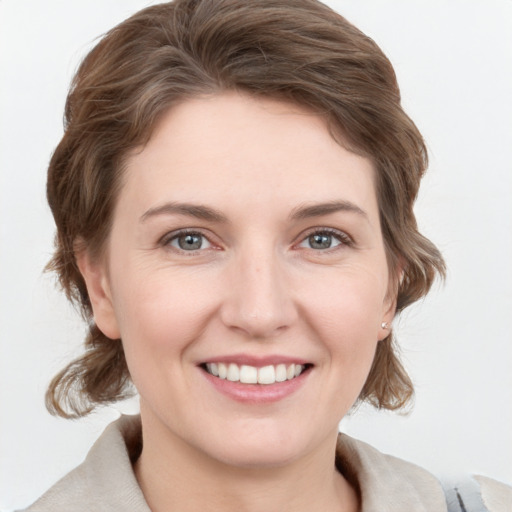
(190, 242)
(320, 241)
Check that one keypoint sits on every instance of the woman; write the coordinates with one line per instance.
(233, 197)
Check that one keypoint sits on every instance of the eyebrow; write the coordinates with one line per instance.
(317, 210)
(210, 214)
(191, 210)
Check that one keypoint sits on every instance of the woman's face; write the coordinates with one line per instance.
(245, 246)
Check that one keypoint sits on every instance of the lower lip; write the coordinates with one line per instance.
(257, 393)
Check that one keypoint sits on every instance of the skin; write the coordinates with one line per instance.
(256, 287)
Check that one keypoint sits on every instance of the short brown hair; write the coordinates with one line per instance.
(296, 50)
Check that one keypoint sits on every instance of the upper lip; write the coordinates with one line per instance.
(257, 361)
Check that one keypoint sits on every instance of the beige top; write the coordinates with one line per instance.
(105, 480)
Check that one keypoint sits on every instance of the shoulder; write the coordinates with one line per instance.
(105, 480)
(496, 496)
(388, 483)
(474, 493)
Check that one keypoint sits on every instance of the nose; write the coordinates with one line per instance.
(259, 299)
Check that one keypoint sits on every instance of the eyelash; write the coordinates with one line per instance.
(166, 240)
(343, 239)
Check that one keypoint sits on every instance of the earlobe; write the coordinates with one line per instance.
(387, 319)
(98, 288)
(388, 312)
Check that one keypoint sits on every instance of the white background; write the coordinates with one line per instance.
(454, 63)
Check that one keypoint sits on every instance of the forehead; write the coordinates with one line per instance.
(233, 147)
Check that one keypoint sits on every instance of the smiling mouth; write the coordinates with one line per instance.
(246, 374)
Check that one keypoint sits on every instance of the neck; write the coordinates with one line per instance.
(176, 476)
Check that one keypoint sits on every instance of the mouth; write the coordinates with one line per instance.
(255, 381)
(247, 374)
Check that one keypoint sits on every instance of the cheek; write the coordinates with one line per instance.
(346, 319)
(351, 306)
(345, 326)
(160, 319)
(158, 311)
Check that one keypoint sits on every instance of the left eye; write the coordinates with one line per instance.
(321, 240)
(189, 242)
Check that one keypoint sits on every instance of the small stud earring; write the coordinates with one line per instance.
(384, 325)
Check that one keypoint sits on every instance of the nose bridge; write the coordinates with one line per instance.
(259, 301)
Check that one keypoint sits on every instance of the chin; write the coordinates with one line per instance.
(265, 449)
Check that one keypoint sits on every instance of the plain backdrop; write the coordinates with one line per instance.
(453, 59)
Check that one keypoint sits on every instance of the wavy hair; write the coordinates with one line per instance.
(295, 50)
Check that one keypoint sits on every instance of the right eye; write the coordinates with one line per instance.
(325, 239)
(189, 241)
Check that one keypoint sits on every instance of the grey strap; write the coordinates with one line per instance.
(463, 495)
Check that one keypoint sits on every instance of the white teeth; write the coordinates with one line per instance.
(280, 373)
(233, 373)
(251, 375)
(248, 374)
(223, 371)
(266, 375)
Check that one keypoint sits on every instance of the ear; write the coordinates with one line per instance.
(388, 313)
(390, 301)
(95, 274)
